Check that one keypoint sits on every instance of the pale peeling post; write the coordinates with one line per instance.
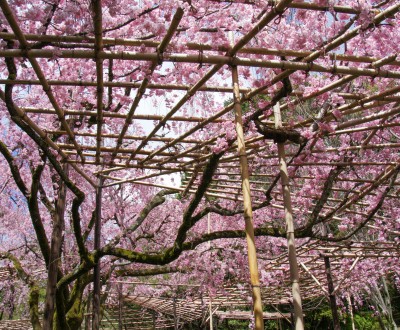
(294, 270)
(248, 212)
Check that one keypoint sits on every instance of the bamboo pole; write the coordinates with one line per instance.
(38, 71)
(340, 82)
(278, 9)
(120, 306)
(127, 137)
(345, 275)
(294, 272)
(96, 272)
(248, 212)
(217, 60)
(332, 297)
(48, 141)
(124, 150)
(358, 105)
(350, 307)
(87, 113)
(88, 313)
(180, 87)
(209, 296)
(367, 119)
(142, 88)
(314, 278)
(98, 48)
(313, 56)
(123, 84)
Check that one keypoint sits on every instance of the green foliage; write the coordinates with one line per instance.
(366, 321)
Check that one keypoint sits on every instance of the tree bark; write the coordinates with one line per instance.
(55, 254)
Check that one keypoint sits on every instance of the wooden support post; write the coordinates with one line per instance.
(292, 321)
(153, 317)
(88, 313)
(96, 279)
(209, 296)
(248, 211)
(211, 313)
(120, 306)
(350, 308)
(332, 297)
(294, 270)
(175, 316)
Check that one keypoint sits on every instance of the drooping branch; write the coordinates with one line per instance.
(35, 214)
(369, 216)
(156, 201)
(7, 97)
(76, 222)
(218, 209)
(14, 170)
(188, 221)
(90, 226)
(326, 191)
(45, 200)
(31, 197)
(147, 11)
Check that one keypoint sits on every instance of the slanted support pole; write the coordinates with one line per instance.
(248, 211)
(332, 297)
(294, 268)
(96, 274)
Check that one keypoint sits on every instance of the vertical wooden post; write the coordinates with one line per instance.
(87, 318)
(96, 275)
(350, 307)
(209, 296)
(332, 297)
(175, 316)
(153, 316)
(294, 270)
(211, 313)
(248, 211)
(120, 306)
(292, 322)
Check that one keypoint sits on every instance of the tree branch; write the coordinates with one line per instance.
(14, 170)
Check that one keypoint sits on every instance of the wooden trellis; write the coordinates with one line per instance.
(91, 154)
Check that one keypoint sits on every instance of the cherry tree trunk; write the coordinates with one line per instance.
(55, 254)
